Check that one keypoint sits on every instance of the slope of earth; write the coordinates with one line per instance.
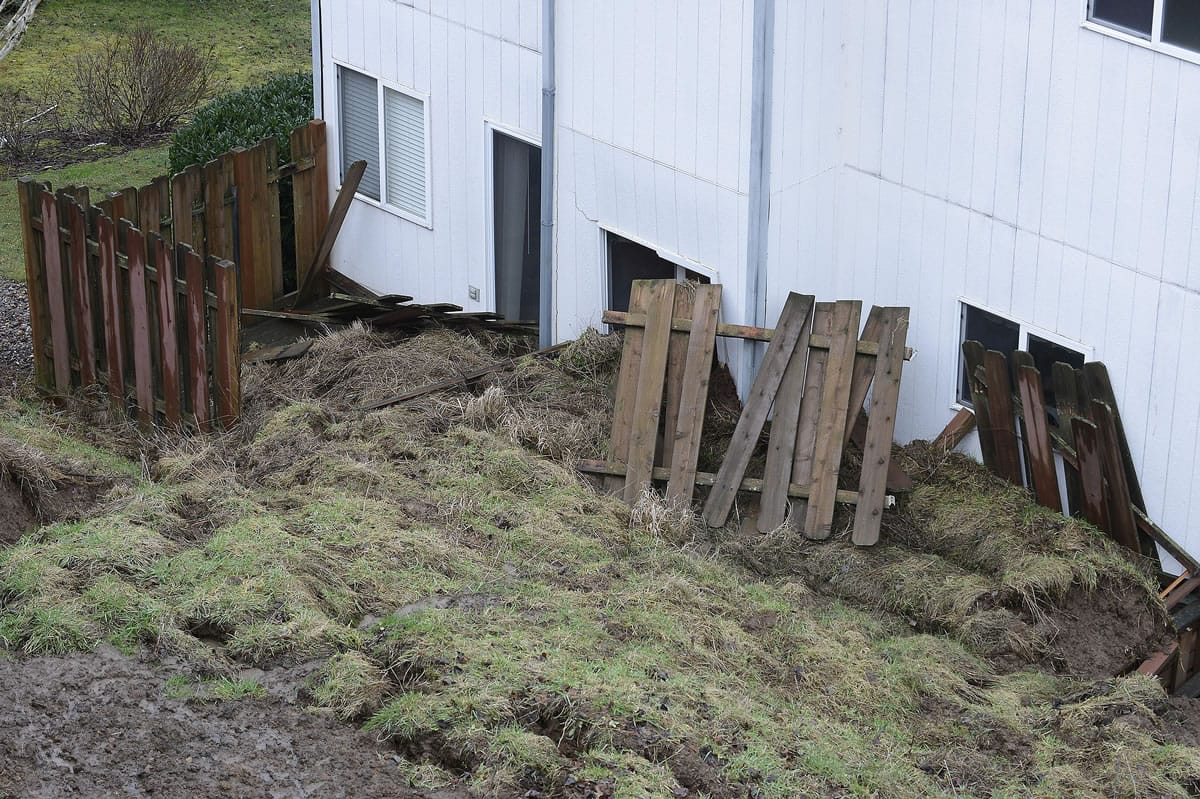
(436, 573)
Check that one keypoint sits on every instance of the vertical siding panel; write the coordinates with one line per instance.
(966, 80)
(510, 20)
(666, 232)
(645, 224)
(625, 78)
(889, 247)
(1181, 507)
(687, 34)
(728, 122)
(531, 24)
(895, 90)
(708, 88)
(1073, 283)
(987, 107)
(1036, 123)
(405, 46)
(602, 58)
(644, 91)
(1000, 269)
(585, 176)
(583, 67)
(665, 79)
(870, 132)
(1046, 287)
(1132, 158)
(1024, 270)
(941, 97)
(1106, 165)
(1082, 150)
(934, 305)
(1058, 136)
(530, 81)
(623, 180)
(510, 82)
(850, 16)
(706, 218)
(687, 224)
(1146, 347)
(606, 190)
(811, 116)
(1164, 95)
(917, 118)
(1012, 109)
(860, 280)
(831, 57)
(1181, 205)
(979, 256)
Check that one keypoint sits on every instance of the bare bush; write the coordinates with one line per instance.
(140, 82)
(26, 120)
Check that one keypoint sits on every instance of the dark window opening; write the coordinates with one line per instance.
(629, 261)
(993, 332)
(1132, 16)
(1181, 23)
(517, 202)
(1045, 355)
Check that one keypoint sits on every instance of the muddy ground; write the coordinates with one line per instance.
(104, 724)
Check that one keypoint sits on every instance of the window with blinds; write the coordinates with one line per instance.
(359, 104)
(404, 143)
(397, 167)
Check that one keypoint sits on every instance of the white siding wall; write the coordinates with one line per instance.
(1001, 153)
(653, 141)
(478, 61)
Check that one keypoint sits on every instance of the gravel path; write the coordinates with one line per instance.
(16, 355)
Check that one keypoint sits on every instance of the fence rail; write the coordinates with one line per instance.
(142, 292)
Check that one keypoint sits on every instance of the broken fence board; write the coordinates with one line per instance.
(957, 429)
(114, 311)
(835, 407)
(781, 449)
(1065, 381)
(881, 429)
(197, 336)
(1099, 387)
(1002, 416)
(1093, 506)
(81, 289)
(139, 317)
(792, 322)
(168, 324)
(750, 485)
(29, 195)
(1037, 438)
(693, 397)
(1123, 526)
(677, 348)
(810, 409)
(226, 356)
(56, 294)
(864, 368)
(647, 408)
(341, 207)
(627, 382)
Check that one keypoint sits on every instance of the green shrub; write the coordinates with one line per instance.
(243, 119)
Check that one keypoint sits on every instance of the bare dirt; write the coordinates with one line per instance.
(16, 517)
(102, 724)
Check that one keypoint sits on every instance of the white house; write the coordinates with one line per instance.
(1026, 170)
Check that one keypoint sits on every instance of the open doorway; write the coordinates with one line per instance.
(516, 225)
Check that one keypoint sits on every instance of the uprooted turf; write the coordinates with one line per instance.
(475, 603)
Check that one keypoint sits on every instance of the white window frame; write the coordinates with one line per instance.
(1155, 41)
(1024, 331)
(683, 264)
(382, 204)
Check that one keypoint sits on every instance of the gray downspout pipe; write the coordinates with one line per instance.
(760, 179)
(546, 283)
(318, 61)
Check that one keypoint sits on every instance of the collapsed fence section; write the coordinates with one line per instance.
(241, 231)
(153, 325)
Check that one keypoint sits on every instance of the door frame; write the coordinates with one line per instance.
(491, 128)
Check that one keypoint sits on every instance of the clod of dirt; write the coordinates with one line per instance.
(102, 725)
(36, 489)
(16, 517)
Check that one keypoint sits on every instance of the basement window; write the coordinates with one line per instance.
(1171, 26)
(629, 261)
(388, 128)
(1000, 333)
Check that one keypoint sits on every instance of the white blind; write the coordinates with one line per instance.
(359, 101)
(404, 143)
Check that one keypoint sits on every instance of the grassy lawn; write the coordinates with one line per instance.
(251, 40)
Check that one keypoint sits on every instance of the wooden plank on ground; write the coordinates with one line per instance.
(693, 396)
(56, 294)
(1037, 438)
(1120, 512)
(139, 317)
(774, 507)
(1099, 387)
(957, 429)
(30, 201)
(831, 426)
(226, 352)
(81, 290)
(1001, 415)
(341, 207)
(197, 336)
(1093, 505)
(647, 407)
(973, 354)
(1160, 537)
(114, 310)
(792, 322)
(169, 329)
(626, 394)
(881, 429)
(810, 410)
(685, 299)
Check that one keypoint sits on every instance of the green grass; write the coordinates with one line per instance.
(252, 40)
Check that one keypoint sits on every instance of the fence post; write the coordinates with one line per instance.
(56, 294)
(168, 306)
(81, 284)
(197, 335)
(139, 314)
(29, 193)
(227, 366)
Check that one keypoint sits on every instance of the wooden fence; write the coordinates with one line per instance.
(142, 292)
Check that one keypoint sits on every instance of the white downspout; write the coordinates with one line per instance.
(318, 56)
(546, 283)
(760, 181)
